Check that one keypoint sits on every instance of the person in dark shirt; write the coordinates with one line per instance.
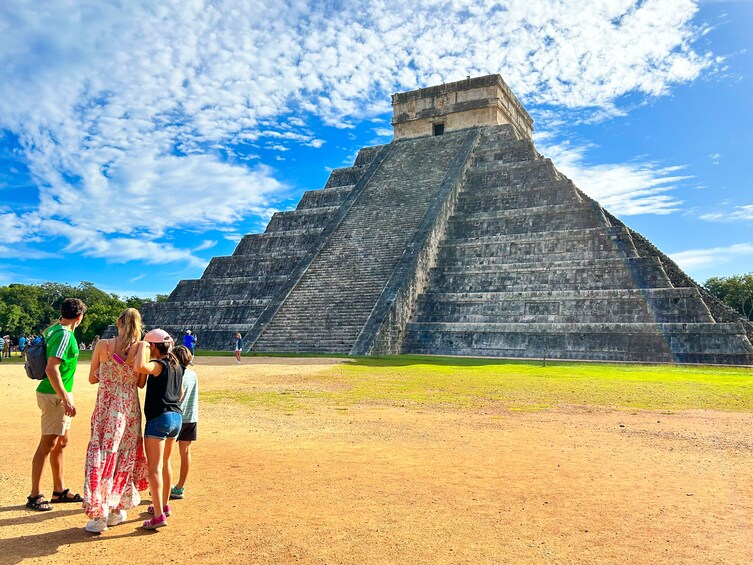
(164, 389)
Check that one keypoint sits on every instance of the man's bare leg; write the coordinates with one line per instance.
(46, 444)
(56, 462)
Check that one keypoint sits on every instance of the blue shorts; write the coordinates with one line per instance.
(165, 425)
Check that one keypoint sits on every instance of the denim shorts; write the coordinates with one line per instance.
(165, 425)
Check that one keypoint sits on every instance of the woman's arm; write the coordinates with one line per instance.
(94, 367)
(143, 364)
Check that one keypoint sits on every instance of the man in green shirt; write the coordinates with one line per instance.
(55, 400)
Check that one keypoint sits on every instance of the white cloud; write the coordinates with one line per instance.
(383, 132)
(23, 252)
(624, 189)
(123, 109)
(716, 256)
(206, 244)
(738, 214)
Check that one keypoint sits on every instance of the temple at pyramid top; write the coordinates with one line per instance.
(473, 102)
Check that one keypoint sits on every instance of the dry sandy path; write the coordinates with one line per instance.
(389, 484)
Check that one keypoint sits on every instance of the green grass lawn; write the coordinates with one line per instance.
(417, 381)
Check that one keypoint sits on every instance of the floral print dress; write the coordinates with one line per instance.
(116, 467)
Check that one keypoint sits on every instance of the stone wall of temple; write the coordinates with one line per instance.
(482, 101)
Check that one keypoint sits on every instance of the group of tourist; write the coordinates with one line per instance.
(120, 460)
(8, 345)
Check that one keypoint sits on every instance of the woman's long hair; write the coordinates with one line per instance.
(130, 327)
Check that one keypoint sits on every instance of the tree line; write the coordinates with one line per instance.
(27, 309)
(735, 291)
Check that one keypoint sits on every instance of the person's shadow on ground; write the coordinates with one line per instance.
(47, 544)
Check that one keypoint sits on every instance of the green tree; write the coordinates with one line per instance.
(26, 309)
(735, 291)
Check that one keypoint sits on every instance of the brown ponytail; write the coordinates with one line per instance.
(165, 350)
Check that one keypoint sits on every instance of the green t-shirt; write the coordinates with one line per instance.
(61, 343)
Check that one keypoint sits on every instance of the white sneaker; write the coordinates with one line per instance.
(116, 517)
(96, 525)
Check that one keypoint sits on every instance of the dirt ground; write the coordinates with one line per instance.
(391, 484)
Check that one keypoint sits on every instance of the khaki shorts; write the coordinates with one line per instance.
(54, 420)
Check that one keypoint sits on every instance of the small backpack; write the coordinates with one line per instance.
(36, 360)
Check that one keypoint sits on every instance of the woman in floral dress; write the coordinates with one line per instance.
(115, 462)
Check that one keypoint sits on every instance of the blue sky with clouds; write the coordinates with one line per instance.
(138, 139)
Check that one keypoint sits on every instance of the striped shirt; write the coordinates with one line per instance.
(61, 343)
(190, 403)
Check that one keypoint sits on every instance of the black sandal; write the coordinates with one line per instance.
(63, 496)
(35, 503)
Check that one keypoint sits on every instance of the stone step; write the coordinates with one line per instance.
(231, 288)
(543, 266)
(366, 155)
(533, 220)
(251, 266)
(601, 275)
(624, 306)
(478, 263)
(297, 219)
(526, 173)
(533, 247)
(345, 176)
(276, 242)
(313, 199)
(510, 152)
(606, 341)
(505, 198)
(500, 134)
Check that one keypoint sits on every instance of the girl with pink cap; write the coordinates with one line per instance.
(164, 389)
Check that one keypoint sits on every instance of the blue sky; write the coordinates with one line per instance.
(138, 139)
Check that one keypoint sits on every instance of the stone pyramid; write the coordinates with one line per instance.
(457, 238)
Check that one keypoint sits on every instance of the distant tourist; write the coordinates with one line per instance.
(189, 406)
(94, 342)
(55, 400)
(7, 346)
(115, 462)
(238, 347)
(22, 344)
(189, 341)
(163, 417)
(2, 346)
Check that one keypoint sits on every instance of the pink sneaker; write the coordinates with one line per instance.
(150, 510)
(155, 522)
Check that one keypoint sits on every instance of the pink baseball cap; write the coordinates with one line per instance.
(158, 336)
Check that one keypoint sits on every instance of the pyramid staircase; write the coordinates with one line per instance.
(327, 309)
